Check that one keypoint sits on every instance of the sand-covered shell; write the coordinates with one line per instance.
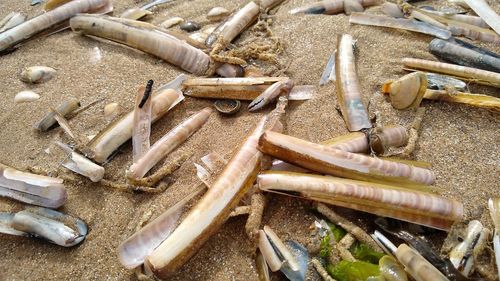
(26, 96)
(227, 106)
(408, 91)
(11, 20)
(171, 22)
(53, 226)
(37, 74)
(217, 14)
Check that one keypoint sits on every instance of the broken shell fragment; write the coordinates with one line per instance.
(26, 96)
(53, 226)
(171, 22)
(392, 10)
(465, 255)
(408, 91)
(228, 107)
(37, 74)
(11, 20)
(81, 165)
(31, 188)
(217, 14)
(63, 109)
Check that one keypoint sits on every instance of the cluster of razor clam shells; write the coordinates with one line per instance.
(344, 171)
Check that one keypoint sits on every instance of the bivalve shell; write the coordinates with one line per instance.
(26, 96)
(37, 74)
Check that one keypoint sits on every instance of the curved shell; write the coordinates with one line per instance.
(26, 96)
(58, 228)
(408, 91)
(217, 14)
(391, 270)
(227, 106)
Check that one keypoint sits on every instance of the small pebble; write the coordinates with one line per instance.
(217, 14)
(171, 22)
(111, 110)
(189, 26)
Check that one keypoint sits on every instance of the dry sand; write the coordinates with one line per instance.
(461, 142)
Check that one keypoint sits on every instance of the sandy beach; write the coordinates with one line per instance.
(461, 142)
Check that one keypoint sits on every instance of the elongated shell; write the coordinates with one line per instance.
(405, 24)
(145, 37)
(239, 21)
(23, 31)
(141, 244)
(461, 55)
(417, 266)
(118, 132)
(375, 197)
(348, 88)
(26, 96)
(329, 7)
(443, 82)
(217, 14)
(81, 165)
(476, 100)
(66, 107)
(336, 162)
(169, 142)
(408, 91)
(11, 20)
(32, 189)
(56, 227)
(37, 74)
(482, 9)
(382, 139)
(171, 22)
(214, 208)
(464, 255)
(244, 88)
(475, 75)
(494, 207)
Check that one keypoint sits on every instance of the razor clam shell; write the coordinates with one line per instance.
(283, 252)
(406, 24)
(12, 37)
(476, 48)
(348, 88)
(461, 55)
(26, 96)
(442, 82)
(145, 37)
(268, 252)
(324, 159)
(63, 109)
(464, 254)
(32, 189)
(11, 20)
(6, 225)
(234, 25)
(81, 165)
(329, 71)
(302, 256)
(169, 142)
(58, 228)
(262, 268)
(37, 74)
(141, 244)
(120, 131)
(482, 9)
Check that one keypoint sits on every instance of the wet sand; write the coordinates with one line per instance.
(461, 142)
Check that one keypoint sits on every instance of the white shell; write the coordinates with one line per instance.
(171, 22)
(217, 14)
(111, 109)
(26, 96)
(37, 74)
(11, 20)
